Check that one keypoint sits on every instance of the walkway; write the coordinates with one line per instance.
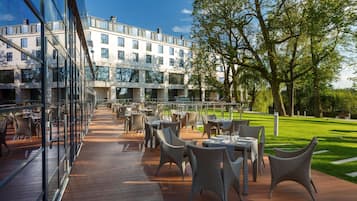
(115, 166)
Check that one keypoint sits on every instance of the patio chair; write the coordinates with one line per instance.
(293, 166)
(175, 126)
(257, 132)
(3, 129)
(214, 171)
(191, 119)
(235, 126)
(22, 127)
(208, 127)
(137, 122)
(172, 150)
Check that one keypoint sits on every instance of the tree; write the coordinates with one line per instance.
(327, 22)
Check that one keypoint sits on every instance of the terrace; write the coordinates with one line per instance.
(114, 165)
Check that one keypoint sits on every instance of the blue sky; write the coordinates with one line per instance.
(172, 16)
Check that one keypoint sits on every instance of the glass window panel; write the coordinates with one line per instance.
(135, 44)
(31, 75)
(8, 56)
(121, 42)
(181, 53)
(171, 51)
(6, 76)
(121, 55)
(160, 49)
(175, 78)
(148, 46)
(105, 53)
(160, 60)
(120, 28)
(148, 59)
(124, 93)
(154, 77)
(24, 42)
(172, 62)
(135, 57)
(104, 38)
(102, 73)
(126, 75)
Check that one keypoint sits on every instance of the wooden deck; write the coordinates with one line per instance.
(116, 166)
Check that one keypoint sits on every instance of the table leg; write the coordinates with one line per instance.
(245, 172)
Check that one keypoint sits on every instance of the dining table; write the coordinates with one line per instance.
(242, 144)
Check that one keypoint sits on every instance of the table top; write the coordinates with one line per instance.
(236, 142)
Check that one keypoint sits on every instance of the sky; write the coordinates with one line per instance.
(172, 16)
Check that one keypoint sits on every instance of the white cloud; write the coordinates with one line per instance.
(7, 17)
(182, 29)
(186, 11)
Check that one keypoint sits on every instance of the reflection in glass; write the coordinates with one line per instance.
(30, 75)
(102, 73)
(126, 75)
(6, 76)
(154, 77)
(175, 78)
(124, 93)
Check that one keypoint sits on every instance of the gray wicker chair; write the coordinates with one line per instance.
(137, 122)
(208, 127)
(209, 174)
(175, 126)
(3, 129)
(22, 127)
(235, 126)
(172, 150)
(257, 132)
(293, 166)
(191, 119)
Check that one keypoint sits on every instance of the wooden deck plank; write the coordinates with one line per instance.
(114, 166)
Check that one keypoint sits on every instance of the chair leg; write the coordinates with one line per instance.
(313, 185)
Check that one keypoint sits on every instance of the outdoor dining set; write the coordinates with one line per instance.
(217, 161)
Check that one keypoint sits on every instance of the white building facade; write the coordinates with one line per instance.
(138, 64)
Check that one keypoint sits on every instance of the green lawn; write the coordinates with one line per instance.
(339, 137)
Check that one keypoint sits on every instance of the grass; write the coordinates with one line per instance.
(337, 136)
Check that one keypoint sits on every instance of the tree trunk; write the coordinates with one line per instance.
(235, 89)
(278, 105)
(316, 93)
(291, 96)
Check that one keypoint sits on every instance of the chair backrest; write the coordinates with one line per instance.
(151, 118)
(137, 122)
(3, 126)
(257, 132)
(307, 148)
(22, 126)
(192, 118)
(205, 118)
(237, 123)
(206, 165)
(175, 126)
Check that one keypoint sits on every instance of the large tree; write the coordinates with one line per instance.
(327, 24)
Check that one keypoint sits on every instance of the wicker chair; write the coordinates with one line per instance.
(191, 119)
(137, 122)
(257, 132)
(293, 166)
(172, 150)
(3, 128)
(208, 173)
(208, 127)
(22, 127)
(235, 126)
(175, 126)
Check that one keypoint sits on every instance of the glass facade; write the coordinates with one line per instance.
(175, 78)
(45, 100)
(126, 75)
(154, 77)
